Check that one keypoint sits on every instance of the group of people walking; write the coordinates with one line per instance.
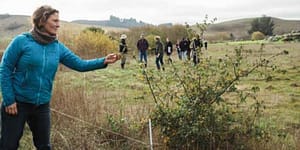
(186, 50)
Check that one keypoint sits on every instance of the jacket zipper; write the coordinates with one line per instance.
(43, 70)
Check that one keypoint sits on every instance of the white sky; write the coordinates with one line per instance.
(159, 11)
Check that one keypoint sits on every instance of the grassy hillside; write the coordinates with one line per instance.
(239, 28)
(11, 25)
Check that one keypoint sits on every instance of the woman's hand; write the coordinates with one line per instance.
(12, 109)
(112, 58)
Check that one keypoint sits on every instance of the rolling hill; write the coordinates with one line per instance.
(239, 28)
(11, 25)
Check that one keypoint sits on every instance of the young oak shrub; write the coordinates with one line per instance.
(96, 44)
(200, 107)
(257, 36)
(89, 43)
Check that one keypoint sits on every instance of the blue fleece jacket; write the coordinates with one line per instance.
(27, 69)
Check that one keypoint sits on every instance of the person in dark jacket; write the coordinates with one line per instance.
(198, 42)
(183, 47)
(178, 50)
(169, 50)
(188, 52)
(123, 50)
(196, 49)
(143, 46)
(205, 44)
(159, 53)
(27, 71)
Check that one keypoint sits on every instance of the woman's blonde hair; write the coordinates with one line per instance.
(41, 14)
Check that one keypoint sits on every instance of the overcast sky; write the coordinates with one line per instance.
(159, 11)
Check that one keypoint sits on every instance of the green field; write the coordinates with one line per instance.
(120, 100)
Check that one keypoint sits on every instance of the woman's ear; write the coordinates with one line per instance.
(43, 20)
(41, 24)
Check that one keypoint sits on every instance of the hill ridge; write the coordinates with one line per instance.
(11, 25)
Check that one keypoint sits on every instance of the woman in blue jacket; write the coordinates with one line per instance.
(27, 71)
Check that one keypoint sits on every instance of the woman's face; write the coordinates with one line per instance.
(52, 24)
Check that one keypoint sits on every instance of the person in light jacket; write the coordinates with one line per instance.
(27, 71)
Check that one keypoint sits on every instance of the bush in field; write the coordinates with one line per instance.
(94, 43)
(200, 107)
(89, 43)
(174, 32)
(257, 36)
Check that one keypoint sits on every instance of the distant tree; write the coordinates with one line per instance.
(122, 22)
(264, 25)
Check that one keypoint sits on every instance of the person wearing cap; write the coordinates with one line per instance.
(159, 53)
(27, 73)
(142, 46)
(123, 50)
